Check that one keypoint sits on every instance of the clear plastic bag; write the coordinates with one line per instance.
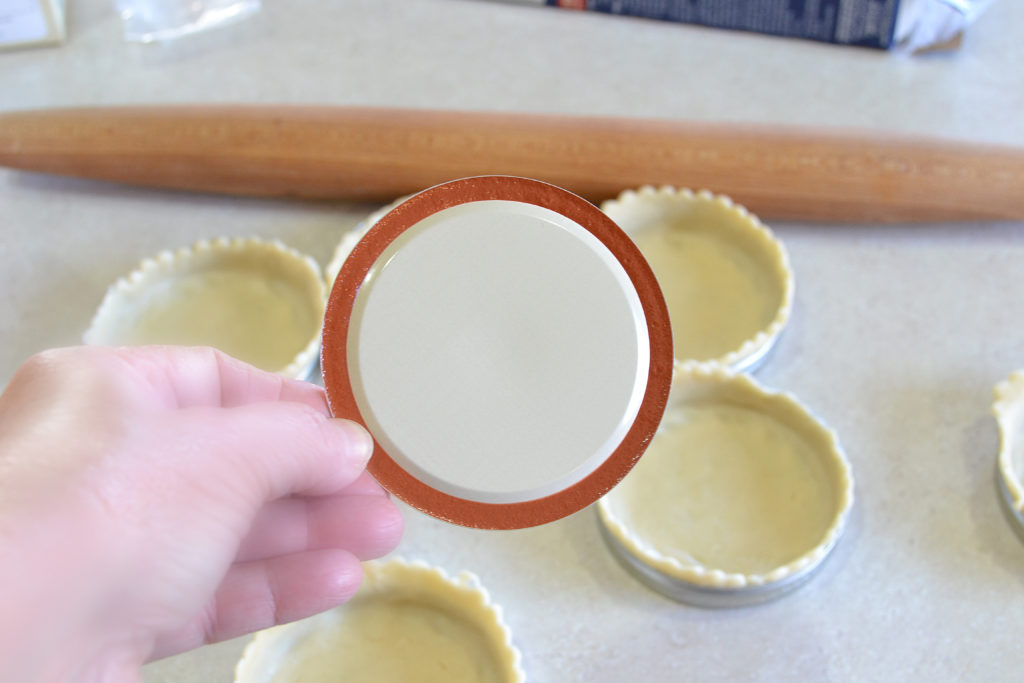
(146, 21)
(925, 25)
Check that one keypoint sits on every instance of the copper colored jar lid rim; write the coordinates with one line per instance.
(340, 383)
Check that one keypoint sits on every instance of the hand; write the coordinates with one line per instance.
(158, 498)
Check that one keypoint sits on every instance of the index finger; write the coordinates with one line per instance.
(192, 376)
(272, 449)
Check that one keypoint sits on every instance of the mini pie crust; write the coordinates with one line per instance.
(408, 622)
(725, 276)
(741, 487)
(261, 302)
(1008, 409)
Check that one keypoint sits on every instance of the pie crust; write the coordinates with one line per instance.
(725, 277)
(742, 493)
(1009, 413)
(408, 622)
(261, 302)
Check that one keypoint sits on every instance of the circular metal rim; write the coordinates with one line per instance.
(1013, 515)
(500, 515)
(708, 597)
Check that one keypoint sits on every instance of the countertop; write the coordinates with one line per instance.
(899, 334)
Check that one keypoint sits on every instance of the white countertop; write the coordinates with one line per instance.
(898, 337)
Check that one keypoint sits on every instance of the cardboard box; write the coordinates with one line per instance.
(908, 25)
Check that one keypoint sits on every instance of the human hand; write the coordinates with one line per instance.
(154, 499)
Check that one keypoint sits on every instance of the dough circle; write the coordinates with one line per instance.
(261, 302)
(408, 622)
(741, 486)
(725, 277)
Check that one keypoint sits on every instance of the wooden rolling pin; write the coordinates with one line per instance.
(380, 154)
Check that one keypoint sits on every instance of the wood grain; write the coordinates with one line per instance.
(380, 154)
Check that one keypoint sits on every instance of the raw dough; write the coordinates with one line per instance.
(727, 488)
(258, 301)
(725, 278)
(408, 622)
(384, 640)
(260, 318)
(718, 295)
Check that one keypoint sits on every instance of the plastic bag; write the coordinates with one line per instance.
(146, 21)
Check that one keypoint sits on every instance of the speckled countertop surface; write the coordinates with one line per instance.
(899, 333)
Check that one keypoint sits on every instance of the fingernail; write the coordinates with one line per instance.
(360, 443)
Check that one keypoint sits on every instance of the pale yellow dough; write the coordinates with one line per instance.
(392, 640)
(728, 488)
(409, 622)
(258, 317)
(718, 296)
(725, 278)
(257, 301)
(740, 485)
